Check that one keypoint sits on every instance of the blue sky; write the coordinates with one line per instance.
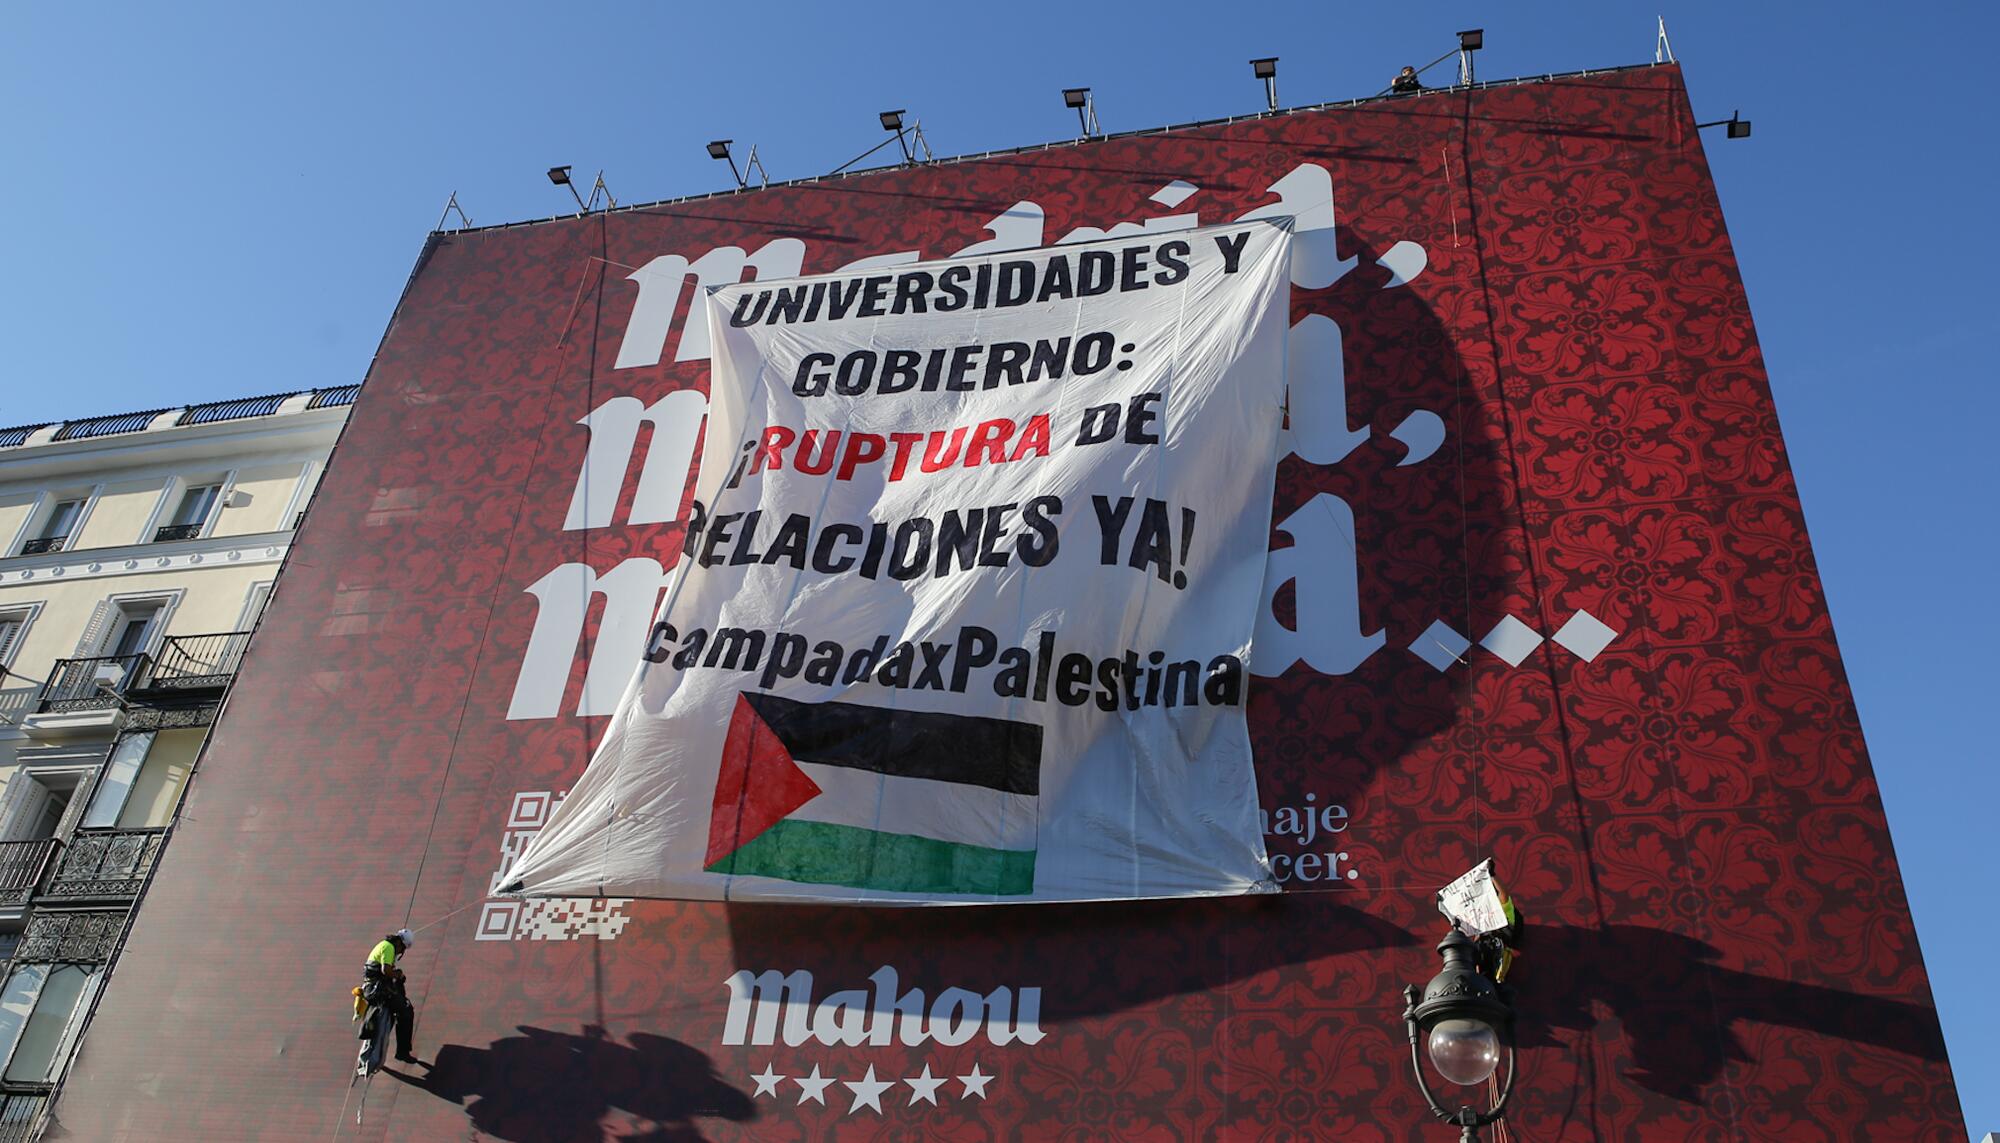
(208, 201)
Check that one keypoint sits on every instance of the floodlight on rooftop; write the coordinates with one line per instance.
(893, 121)
(560, 177)
(1469, 41)
(1736, 127)
(1084, 104)
(1267, 70)
(719, 149)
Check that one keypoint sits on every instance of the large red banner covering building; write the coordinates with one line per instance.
(1541, 591)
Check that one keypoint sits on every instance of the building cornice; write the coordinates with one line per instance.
(144, 559)
(310, 429)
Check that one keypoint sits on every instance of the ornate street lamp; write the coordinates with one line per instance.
(1465, 1019)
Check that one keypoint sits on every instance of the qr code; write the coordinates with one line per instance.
(544, 918)
(552, 919)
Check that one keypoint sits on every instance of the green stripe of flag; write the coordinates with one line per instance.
(822, 854)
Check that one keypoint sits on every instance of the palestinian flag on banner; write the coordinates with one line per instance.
(896, 801)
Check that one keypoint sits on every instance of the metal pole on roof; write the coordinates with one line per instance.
(450, 205)
(756, 164)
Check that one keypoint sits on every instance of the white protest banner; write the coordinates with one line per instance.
(967, 597)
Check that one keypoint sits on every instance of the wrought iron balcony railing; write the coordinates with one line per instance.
(44, 546)
(168, 532)
(89, 684)
(101, 863)
(183, 664)
(22, 864)
(21, 1111)
(195, 662)
(71, 936)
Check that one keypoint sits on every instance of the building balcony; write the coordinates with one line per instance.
(44, 546)
(187, 663)
(186, 668)
(21, 1107)
(89, 684)
(167, 533)
(22, 865)
(99, 864)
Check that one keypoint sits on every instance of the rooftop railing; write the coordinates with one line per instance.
(330, 398)
(234, 410)
(243, 407)
(107, 426)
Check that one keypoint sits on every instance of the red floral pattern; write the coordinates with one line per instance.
(1575, 217)
(1564, 325)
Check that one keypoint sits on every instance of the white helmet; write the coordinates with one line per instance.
(406, 936)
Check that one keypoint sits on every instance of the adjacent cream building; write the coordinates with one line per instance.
(136, 552)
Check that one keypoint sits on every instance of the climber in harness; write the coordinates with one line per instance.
(382, 986)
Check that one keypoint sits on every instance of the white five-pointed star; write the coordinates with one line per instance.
(924, 1088)
(813, 1087)
(767, 1082)
(975, 1084)
(867, 1091)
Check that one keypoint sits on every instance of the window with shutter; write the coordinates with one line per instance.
(15, 804)
(92, 641)
(66, 803)
(12, 624)
(124, 625)
(26, 805)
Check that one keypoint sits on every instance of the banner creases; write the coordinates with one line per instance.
(965, 613)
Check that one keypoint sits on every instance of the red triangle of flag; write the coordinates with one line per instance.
(757, 785)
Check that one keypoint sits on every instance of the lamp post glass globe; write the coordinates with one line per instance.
(1466, 1052)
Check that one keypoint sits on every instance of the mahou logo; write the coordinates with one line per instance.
(767, 1006)
(771, 1006)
